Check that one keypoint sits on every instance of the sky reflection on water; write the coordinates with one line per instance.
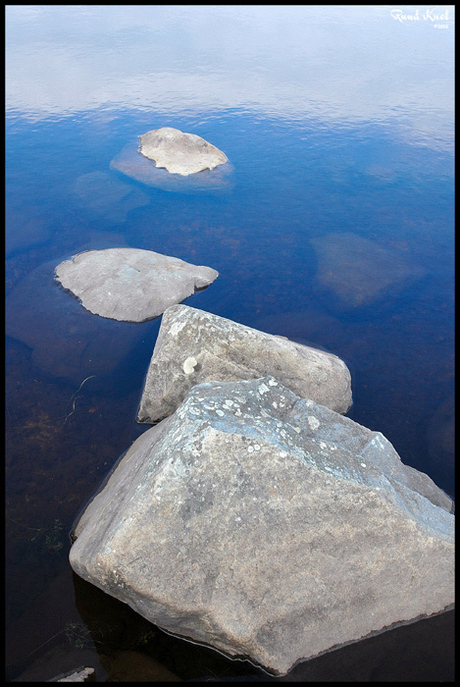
(340, 63)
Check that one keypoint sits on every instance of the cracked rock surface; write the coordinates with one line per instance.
(267, 526)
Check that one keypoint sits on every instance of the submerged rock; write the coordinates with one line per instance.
(180, 153)
(194, 346)
(108, 197)
(66, 340)
(267, 526)
(131, 284)
(359, 271)
(26, 226)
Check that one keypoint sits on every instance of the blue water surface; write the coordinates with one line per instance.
(335, 229)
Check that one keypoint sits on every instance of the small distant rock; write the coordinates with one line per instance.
(134, 165)
(131, 284)
(180, 153)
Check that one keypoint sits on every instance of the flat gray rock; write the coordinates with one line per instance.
(358, 271)
(267, 526)
(195, 346)
(131, 284)
(133, 164)
(180, 153)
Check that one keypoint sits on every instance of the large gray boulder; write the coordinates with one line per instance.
(268, 527)
(195, 346)
(180, 153)
(131, 284)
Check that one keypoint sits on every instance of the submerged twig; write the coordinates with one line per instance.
(73, 397)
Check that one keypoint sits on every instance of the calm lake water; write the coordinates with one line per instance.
(335, 229)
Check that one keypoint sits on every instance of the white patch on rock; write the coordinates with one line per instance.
(176, 327)
(313, 422)
(189, 365)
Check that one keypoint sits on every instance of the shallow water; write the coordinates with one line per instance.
(335, 228)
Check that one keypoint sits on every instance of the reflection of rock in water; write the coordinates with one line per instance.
(359, 271)
(132, 163)
(66, 339)
(108, 197)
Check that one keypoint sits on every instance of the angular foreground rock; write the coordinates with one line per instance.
(268, 527)
(180, 153)
(131, 284)
(195, 346)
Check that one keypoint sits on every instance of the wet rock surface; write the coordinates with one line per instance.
(179, 152)
(267, 526)
(131, 284)
(195, 346)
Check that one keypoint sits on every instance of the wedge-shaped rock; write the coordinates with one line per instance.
(131, 284)
(195, 346)
(268, 527)
(180, 153)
